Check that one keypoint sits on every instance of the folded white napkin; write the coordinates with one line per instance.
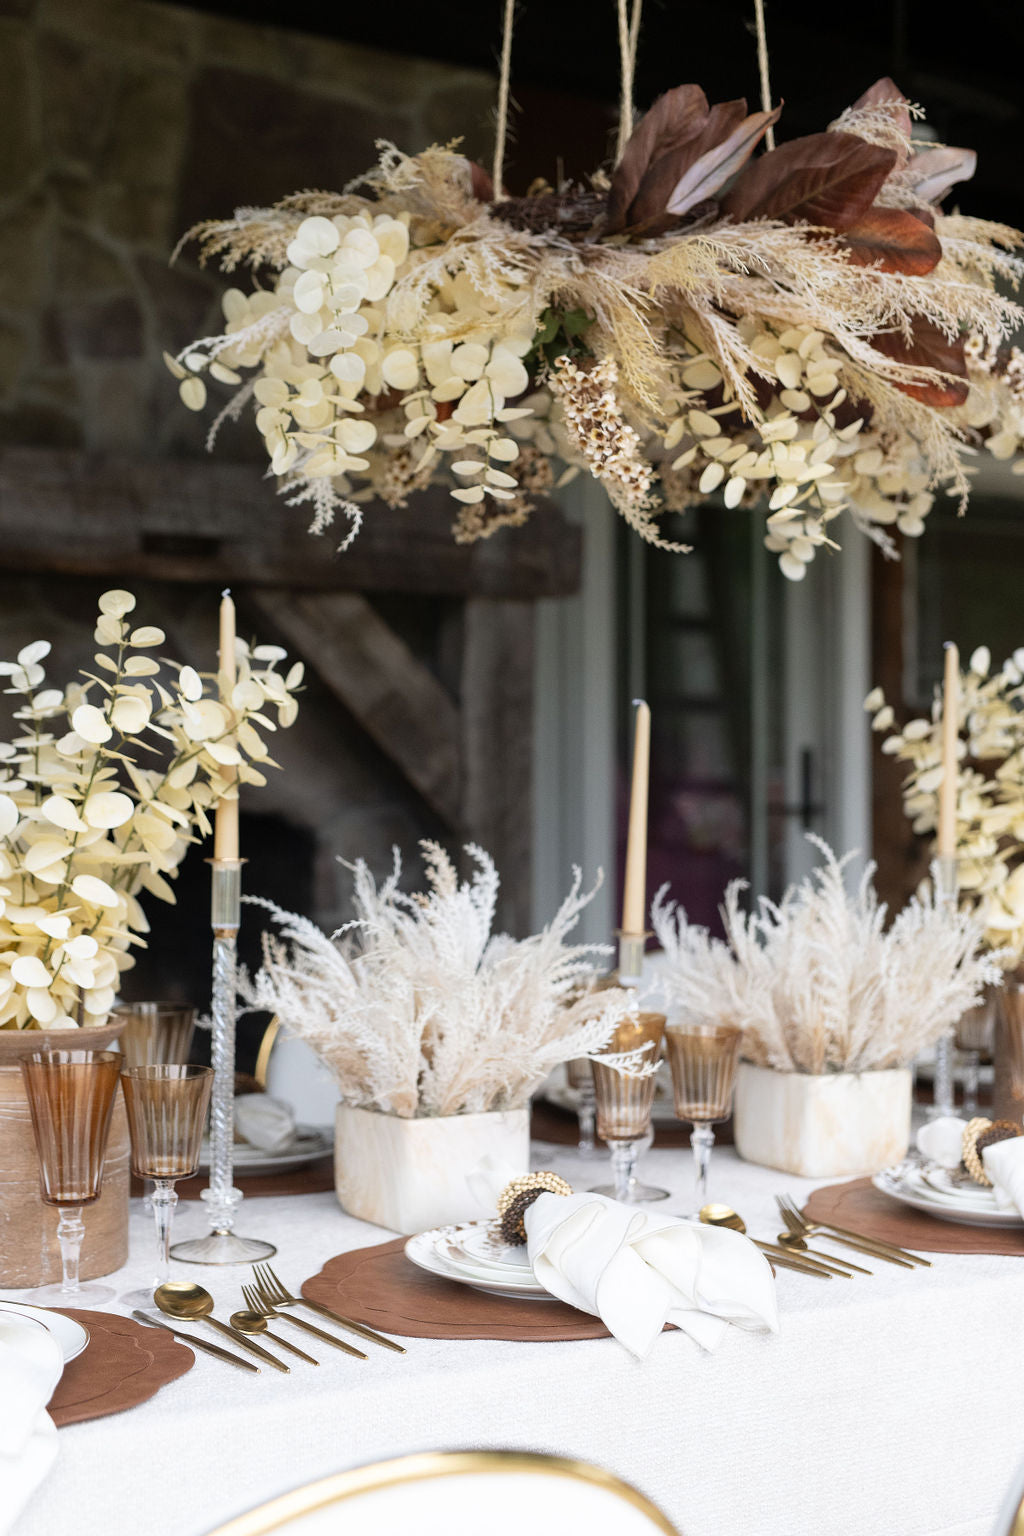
(941, 1141)
(264, 1122)
(1004, 1164)
(637, 1271)
(30, 1367)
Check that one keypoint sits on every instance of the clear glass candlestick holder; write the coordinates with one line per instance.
(71, 1101)
(623, 1102)
(703, 1060)
(167, 1107)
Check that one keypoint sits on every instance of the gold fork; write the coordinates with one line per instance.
(278, 1296)
(257, 1302)
(797, 1222)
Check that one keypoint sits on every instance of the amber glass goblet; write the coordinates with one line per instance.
(71, 1101)
(167, 1106)
(623, 1103)
(154, 1033)
(703, 1060)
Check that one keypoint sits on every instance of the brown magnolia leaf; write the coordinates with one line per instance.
(713, 167)
(480, 182)
(825, 178)
(675, 117)
(659, 182)
(934, 171)
(929, 348)
(892, 240)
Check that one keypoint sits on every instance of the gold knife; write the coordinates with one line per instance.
(353, 1326)
(201, 1344)
(798, 1261)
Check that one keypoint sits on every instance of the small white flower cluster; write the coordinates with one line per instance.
(101, 791)
(994, 406)
(990, 788)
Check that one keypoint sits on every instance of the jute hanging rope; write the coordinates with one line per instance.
(629, 37)
(504, 79)
(762, 68)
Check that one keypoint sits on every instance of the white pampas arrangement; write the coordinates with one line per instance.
(418, 1010)
(817, 982)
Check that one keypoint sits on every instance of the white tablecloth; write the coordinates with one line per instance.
(889, 1406)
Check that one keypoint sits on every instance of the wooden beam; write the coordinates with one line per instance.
(395, 698)
(497, 745)
(187, 520)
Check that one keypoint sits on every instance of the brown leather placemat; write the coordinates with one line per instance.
(380, 1287)
(863, 1208)
(123, 1364)
(314, 1179)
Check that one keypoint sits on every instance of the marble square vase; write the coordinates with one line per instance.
(411, 1174)
(828, 1126)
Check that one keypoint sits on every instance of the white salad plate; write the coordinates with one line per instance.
(305, 1147)
(71, 1336)
(439, 1251)
(906, 1183)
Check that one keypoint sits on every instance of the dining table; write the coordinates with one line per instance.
(889, 1404)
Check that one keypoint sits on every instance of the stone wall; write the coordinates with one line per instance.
(123, 123)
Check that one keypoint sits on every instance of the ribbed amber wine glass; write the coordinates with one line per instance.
(71, 1101)
(624, 1103)
(167, 1106)
(154, 1033)
(703, 1060)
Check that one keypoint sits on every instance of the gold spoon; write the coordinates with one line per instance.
(715, 1215)
(795, 1242)
(255, 1322)
(190, 1303)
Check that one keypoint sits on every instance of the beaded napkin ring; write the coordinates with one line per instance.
(980, 1133)
(519, 1194)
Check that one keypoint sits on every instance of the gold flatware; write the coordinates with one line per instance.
(256, 1302)
(797, 1222)
(187, 1302)
(255, 1322)
(792, 1242)
(278, 1296)
(715, 1215)
(200, 1344)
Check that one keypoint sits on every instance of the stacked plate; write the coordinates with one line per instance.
(71, 1336)
(474, 1254)
(306, 1146)
(942, 1193)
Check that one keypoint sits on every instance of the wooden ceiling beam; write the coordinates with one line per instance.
(63, 511)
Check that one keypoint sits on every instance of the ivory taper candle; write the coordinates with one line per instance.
(946, 846)
(225, 834)
(634, 896)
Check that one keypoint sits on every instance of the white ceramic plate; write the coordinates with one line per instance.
(909, 1188)
(455, 1257)
(950, 1188)
(483, 1241)
(71, 1336)
(422, 1251)
(307, 1145)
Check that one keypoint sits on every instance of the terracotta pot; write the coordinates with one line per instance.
(29, 1252)
(409, 1175)
(835, 1125)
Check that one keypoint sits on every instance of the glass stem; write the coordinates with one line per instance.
(972, 1064)
(702, 1139)
(70, 1232)
(624, 1155)
(165, 1198)
(585, 1115)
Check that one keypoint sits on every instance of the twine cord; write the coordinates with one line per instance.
(762, 67)
(504, 79)
(629, 36)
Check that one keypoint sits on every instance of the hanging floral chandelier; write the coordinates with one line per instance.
(804, 330)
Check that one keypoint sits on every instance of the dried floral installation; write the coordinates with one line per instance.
(990, 789)
(805, 327)
(818, 983)
(417, 1009)
(102, 790)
